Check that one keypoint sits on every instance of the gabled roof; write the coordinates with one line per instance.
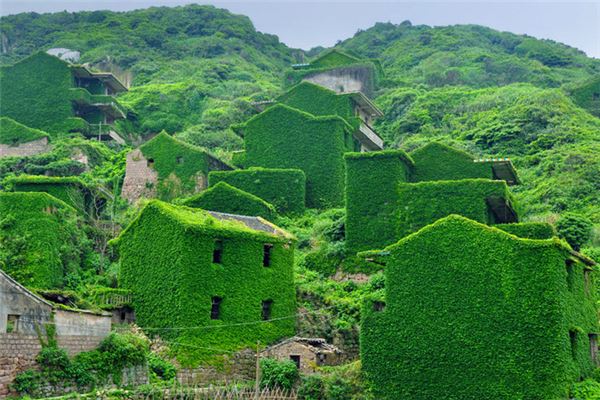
(24, 291)
(315, 345)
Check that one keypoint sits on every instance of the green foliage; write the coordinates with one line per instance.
(180, 166)
(576, 229)
(511, 317)
(529, 230)
(372, 197)
(587, 95)
(71, 190)
(160, 369)
(588, 389)
(284, 188)
(166, 261)
(40, 241)
(278, 374)
(284, 137)
(228, 199)
(335, 383)
(14, 133)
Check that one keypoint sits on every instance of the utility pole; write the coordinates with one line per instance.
(257, 383)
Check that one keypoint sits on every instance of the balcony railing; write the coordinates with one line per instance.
(369, 138)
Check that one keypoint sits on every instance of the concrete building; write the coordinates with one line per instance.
(306, 353)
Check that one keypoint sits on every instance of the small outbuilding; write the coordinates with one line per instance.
(306, 353)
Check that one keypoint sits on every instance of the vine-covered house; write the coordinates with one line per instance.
(215, 282)
(66, 97)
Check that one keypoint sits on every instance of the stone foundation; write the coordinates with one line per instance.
(25, 149)
(239, 367)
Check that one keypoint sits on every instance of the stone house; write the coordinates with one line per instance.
(465, 302)
(306, 353)
(166, 168)
(23, 314)
(67, 97)
(18, 140)
(210, 280)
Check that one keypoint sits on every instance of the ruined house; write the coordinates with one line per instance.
(66, 97)
(166, 168)
(306, 353)
(231, 275)
(18, 140)
(470, 311)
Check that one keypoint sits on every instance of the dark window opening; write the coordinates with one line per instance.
(217, 252)
(267, 249)
(12, 323)
(573, 340)
(587, 281)
(594, 347)
(321, 358)
(150, 162)
(570, 264)
(378, 306)
(215, 311)
(296, 360)
(179, 160)
(123, 316)
(595, 96)
(267, 305)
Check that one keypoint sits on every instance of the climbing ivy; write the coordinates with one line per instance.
(71, 190)
(14, 133)
(529, 230)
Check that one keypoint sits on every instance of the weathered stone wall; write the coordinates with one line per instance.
(25, 149)
(71, 323)
(308, 359)
(345, 80)
(240, 366)
(140, 179)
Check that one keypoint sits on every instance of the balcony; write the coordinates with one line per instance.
(108, 104)
(368, 138)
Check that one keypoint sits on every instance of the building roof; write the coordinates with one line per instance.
(316, 345)
(81, 71)
(254, 223)
(503, 169)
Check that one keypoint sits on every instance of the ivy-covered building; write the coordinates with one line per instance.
(472, 312)
(213, 282)
(18, 140)
(390, 194)
(44, 92)
(166, 167)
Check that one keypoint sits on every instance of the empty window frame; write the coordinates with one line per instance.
(378, 306)
(321, 358)
(587, 281)
(296, 360)
(570, 265)
(215, 311)
(179, 160)
(12, 323)
(267, 254)
(573, 341)
(150, 162)
(267, 306)
(217, 256)
(593, 347)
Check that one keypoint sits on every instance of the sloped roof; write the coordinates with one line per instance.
(316, 345)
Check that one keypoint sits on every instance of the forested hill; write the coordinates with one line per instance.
(196, 69)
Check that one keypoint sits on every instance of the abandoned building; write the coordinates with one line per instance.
(18, 140)
(525, 309)
(390, 194)
(166, 168)
(23, 314)
(66, 97)
(190, 267)
(306, 353)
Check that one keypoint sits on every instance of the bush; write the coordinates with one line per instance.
(575, 229)
(311, 388)
(27, 382)
(278, 374)
(160, 369)
(586, 390)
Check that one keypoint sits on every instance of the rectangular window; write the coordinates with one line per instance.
(215, 311)
(570, 264)
(217, 252)
(267, 250)
(179, 160)
(573, 340)
(594, 347)
(267, 305)
(12, 323)
(296, 360)
(378, 306)
(587, 280)
(321, 358)
(150, 162)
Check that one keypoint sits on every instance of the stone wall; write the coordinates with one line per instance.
(238, 367)
(18, 353)
(25, 149)
(345, 80)
(140, 179)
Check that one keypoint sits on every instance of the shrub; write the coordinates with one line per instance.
(311, 387)
(278, 374)
(575, 229)
(27, 382)
(160, 369)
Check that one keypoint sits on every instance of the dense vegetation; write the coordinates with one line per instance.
(195, 72)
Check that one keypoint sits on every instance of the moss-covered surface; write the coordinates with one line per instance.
(529, 230)
(71, 190)
(587, 95)
(437, 162)
(285, 137)
(39, 238)
(225, 198)
(372, 197)
(284, 188)
(425, 202)
(182, 168)
(166, 261)
(14, 133)
(472, 312)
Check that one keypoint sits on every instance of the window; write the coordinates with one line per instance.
(586, 281)
(267, 305)
(595, 96)
(150, 162)
(179, 160)
(215, 311)
(267, 249)
(321, 357)
(296, 360)
(12, 323)
(593, 347)
(378, 306)
(217, 252)
(573, 340)
(570, 264)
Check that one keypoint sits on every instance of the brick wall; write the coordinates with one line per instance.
(140, 179)
(26, 149)
(240, 366)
